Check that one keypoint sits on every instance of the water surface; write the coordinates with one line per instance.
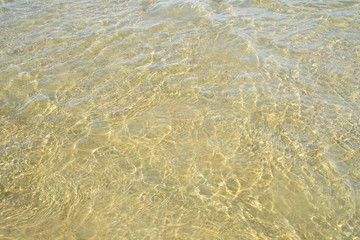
(167, 119)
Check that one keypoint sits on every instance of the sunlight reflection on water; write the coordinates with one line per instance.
(179, 119)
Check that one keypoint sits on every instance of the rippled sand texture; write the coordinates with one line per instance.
(180, 119)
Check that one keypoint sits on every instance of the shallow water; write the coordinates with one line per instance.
(180, 119)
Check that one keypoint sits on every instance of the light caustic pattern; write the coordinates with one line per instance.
(179, 119)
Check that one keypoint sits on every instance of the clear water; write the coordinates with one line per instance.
(167, 119)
